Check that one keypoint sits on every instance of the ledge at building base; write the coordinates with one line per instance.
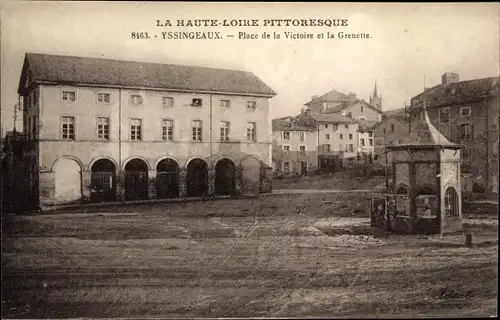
(55, 208)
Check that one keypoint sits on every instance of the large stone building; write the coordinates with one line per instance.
(295, 145)
(107, 129)
(466, 113)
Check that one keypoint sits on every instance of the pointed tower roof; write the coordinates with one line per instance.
(375, 93)
(426, 135)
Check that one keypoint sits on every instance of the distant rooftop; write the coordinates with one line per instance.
(457, 92)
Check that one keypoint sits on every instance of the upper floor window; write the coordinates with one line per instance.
(135, 129)
(349, 114)
(103, 128)
(168, 102)
(350, 148)
(350, 136)
(286, 166)
(444, 114)
(362, 109)
(251, 131)
(225, 104)
(326, 126)
(465, 111)
(302, 149)
(286, 135)
(224, 131)
(167, 130)
(286, 149)
(251, 105)
(135, 99)
(370, 134)
(362, 142)
(335, 127)
(371, 142)
(341, 136)
(68, 96)
(327, 136)
(197, 102)
(196, 130)
(466, 131)
(103, 97)
(347, 126)
(393, 127)
(68, 128)
(302, 136)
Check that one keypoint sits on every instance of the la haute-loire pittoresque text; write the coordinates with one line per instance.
(306, 31)
(254, 23)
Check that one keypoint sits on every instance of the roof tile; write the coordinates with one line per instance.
(84, 70)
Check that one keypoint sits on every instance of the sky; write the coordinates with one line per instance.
(408, 43)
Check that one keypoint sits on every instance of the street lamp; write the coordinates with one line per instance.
(385, 167)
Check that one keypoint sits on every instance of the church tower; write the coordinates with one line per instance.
(375, 100)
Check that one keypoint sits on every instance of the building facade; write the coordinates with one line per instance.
(392, 130)
(110, 129)
(294, 147)
(466, 113)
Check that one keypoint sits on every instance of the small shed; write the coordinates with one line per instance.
(427, 194)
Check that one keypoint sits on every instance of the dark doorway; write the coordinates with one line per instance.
(303, 168)
(103, 181)
(196, 178)
(136, 180)
(225, 182)
(167, 179)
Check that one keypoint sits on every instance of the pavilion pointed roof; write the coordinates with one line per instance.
(426, 135)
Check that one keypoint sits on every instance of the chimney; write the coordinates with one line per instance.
(449, 77)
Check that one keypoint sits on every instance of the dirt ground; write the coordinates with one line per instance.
(340, 180)
(280, 256)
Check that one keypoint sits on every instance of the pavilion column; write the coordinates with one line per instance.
(182, 183)
(211, 181)
(413, 194)
(152, 185)
(120, 185)
(47, 187)
(86, 185)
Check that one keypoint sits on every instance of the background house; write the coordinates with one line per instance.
(294, 147)
(466, 112)
(393, 129)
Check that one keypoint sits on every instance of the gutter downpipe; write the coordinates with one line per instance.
(120, 171)
(211, 190)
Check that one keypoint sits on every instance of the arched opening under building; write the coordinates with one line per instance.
(136, 180)
(68, 181)
(225, 177)
(451, 202)
(196, 178)
(250, 175)
(103, 181)
(167, 179)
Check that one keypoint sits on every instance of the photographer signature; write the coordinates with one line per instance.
(449, 293)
